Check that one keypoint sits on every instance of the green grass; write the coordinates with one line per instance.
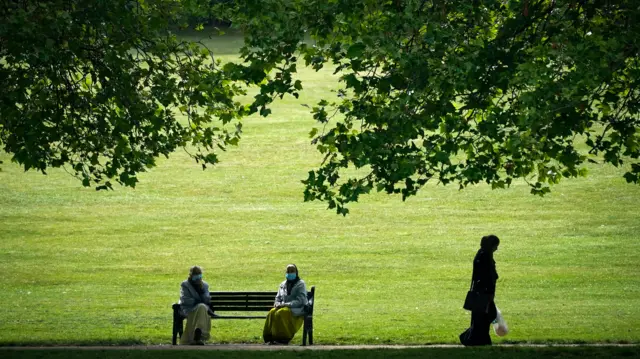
(445, 353)
(80, 266)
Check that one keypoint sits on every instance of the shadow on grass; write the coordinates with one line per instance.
(228, 44)
(476, 353)
(137, 342)
(81, 343)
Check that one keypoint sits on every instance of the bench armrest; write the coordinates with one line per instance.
(308, 309)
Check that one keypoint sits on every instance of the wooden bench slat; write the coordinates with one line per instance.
(243, 299)
(240, 305)
(244, 293)
(242, 309)
(242, 296)
(245, 303)
(239, 317)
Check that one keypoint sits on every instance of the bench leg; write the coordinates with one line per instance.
(307, 331)
(174, 332)
(304, 333)
(177, 328)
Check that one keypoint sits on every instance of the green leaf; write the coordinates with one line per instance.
(583, 172)
(631, 177)
(265, 112)
(442, 157)
(313, 132)
(356, 50)
(211, 158)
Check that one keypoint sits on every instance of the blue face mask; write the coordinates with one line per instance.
(290, 276)
(196, 277)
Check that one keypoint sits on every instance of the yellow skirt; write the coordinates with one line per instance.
(197, 319)
(281, 326)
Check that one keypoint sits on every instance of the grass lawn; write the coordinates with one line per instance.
(86, 267)
(444, 353)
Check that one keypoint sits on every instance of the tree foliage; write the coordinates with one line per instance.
(100, 87)
(458, 92)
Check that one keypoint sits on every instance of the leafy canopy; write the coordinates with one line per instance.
(100, 87)
(458, 91)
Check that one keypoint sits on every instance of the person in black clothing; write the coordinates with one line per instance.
(483, 279)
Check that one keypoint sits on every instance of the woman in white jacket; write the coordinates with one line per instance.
(287, 315)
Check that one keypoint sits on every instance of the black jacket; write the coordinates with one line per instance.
(484, 272)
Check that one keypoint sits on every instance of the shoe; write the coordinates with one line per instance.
(197, 337)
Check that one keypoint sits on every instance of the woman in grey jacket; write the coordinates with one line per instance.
(287, 315)
(194, 303)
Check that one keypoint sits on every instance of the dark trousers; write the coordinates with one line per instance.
(478, 332)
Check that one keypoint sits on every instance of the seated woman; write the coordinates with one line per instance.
(287, 316)
(194, 303)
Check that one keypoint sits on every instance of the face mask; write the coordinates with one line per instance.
(290, 276)
(196, 277)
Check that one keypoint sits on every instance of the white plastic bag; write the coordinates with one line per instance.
(500, 325)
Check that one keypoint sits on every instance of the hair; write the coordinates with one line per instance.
(194, 270)
(489, 242)
(294, 266)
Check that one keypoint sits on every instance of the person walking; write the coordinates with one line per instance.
(483, 290)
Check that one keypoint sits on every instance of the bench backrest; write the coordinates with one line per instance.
(249, 301)
(242, 301)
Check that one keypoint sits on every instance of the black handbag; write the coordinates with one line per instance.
(476, 301)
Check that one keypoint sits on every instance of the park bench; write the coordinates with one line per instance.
(245, 302)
